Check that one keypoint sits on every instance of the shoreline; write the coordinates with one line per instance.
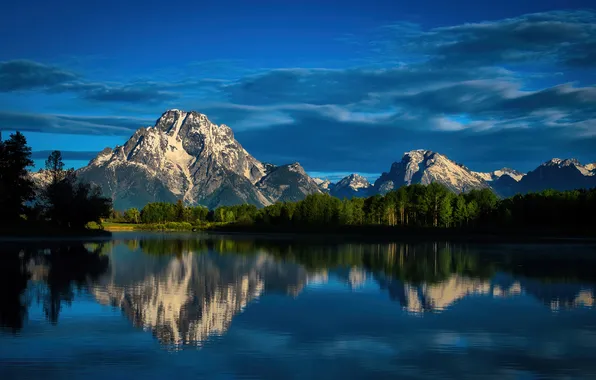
(378, 233)
(381, 234)
(51, 234)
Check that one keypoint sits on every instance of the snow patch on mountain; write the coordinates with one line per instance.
(354, 181)
(353, 185)
(324, 184)
(587, 170)
(424, 167)
(493, 176)
(183, 156)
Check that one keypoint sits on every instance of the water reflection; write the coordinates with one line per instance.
(47, 274)
(188, 290)
(187, 297)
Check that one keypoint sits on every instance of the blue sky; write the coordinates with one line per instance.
(339, 86)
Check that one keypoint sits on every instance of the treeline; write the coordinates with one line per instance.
(435, 206)
(163, 213)
(419, 206)
(416, 205)
(55, 199)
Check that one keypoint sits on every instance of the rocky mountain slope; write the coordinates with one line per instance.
(324, 184)
(558, 174)
(494, 176)
(424, 167)
(186, 156)
(351, 186)
(287, 183)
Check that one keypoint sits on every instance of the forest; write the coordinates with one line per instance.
(430, 206)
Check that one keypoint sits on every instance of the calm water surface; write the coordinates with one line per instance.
(191, 306)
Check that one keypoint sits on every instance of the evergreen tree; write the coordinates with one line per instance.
(16, 186)
(55, 167)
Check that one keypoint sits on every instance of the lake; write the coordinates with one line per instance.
(150, 305)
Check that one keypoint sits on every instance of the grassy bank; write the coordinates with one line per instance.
(372, 232)
(168, 226)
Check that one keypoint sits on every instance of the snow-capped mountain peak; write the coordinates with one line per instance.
(354, 181)
(351, 186)
(183, 156)
(587, 170)
(425, 166)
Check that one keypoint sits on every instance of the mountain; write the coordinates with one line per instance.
(558, 174)
(351, 186)
(288, 183)
(503, 181)
(186, 156)
(424, 167)
(493, 176)
(324, 184)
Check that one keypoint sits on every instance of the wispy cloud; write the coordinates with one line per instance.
(22, 75)
(27, 75)
(493, 89)
(71, 124)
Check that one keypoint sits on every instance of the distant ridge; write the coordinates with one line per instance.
(186, 156)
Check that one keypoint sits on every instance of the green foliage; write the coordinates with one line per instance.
(132, 215)
(161, 212)
(418, 206)
(244, 213)
(168, 226)
(432, 206)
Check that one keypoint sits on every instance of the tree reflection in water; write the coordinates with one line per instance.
(186, 289)
(48, 273)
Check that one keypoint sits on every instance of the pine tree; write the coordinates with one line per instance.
(16, 187)
(55, 167)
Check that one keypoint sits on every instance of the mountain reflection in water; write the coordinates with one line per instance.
(187, 290)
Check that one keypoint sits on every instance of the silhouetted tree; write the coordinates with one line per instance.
(16, 185)
(55, 167)
(70, 203)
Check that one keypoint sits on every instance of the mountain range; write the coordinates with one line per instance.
(186, 156)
